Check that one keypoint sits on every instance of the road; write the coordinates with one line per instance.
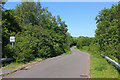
(75, 65)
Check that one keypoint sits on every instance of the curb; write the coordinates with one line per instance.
(20, 68)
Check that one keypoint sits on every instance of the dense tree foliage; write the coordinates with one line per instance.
(107, 34)
(83, 41)
(37, 33)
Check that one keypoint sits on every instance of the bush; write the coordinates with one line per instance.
(24, 48)
(83, 41)
(95, 48)
(86, 48)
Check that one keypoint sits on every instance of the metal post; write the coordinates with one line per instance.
(12, 44)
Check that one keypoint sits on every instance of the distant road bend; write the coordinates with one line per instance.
(75, 65)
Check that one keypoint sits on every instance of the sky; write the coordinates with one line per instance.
(79, 16)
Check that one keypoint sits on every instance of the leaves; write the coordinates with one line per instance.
(37, 33)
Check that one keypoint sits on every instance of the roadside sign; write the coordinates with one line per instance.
(12, 38)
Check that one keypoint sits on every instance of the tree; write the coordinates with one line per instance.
(29, 12)
(10, 26)
(107, 31)
(83, 41)
(37, 32)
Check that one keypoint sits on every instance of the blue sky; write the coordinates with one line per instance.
(79, 16)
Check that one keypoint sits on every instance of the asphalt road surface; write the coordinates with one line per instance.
(75, 65)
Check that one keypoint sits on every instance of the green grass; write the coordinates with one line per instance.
(14, 65)
(36, 59)
(100, 68)
(67, 52)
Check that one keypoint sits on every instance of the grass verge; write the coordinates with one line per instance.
(67, 52)
(100, 68)
(14, 65)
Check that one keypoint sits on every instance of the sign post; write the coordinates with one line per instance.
(12, 39)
